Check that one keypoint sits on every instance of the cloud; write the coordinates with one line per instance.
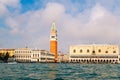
(103, 25)
(92, 25)
(10, 3)
(34, 26)
(3, 10)
(7, 5)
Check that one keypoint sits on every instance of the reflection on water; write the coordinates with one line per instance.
(59, 71)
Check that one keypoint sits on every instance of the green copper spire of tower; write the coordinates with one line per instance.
(53, 27)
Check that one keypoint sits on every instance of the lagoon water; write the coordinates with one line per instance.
(59, 71)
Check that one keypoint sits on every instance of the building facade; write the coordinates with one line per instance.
(10, 51)
(33, 55)
(94, 53)
(42, 56)
(53, 42)
(23, 54)
(63, 57)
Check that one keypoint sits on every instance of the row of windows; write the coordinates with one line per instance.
(94, 56)
(88, 51)
(47, 54)
(23, 60)
(23, 52)
(36, 55)
(29, 56)
(22, 56)
(85, 60)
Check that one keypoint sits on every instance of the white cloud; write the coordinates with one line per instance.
(6, 4)
(35, 26)
(53, 11)
(3, 10)
(103, 26)
(13, 24)
(96, 25)
(97, 12)
(11, 3)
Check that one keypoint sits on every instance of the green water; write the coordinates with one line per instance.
(59, 71)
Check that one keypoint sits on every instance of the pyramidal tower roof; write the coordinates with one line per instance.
(53, 27)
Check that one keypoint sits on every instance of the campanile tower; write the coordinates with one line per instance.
(53, 42)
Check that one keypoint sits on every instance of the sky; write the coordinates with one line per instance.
(28, 23)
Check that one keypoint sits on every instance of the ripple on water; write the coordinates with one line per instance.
(37, 71)
(27, 78)
(59, 79)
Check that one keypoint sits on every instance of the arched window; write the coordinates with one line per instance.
(74, 51)
(106, 52)
(81, 51)
(93, 52)
(88, 51)
(99, 50)
(114, 51)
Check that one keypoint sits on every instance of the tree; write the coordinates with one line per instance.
(1, 56)
(6, 57)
